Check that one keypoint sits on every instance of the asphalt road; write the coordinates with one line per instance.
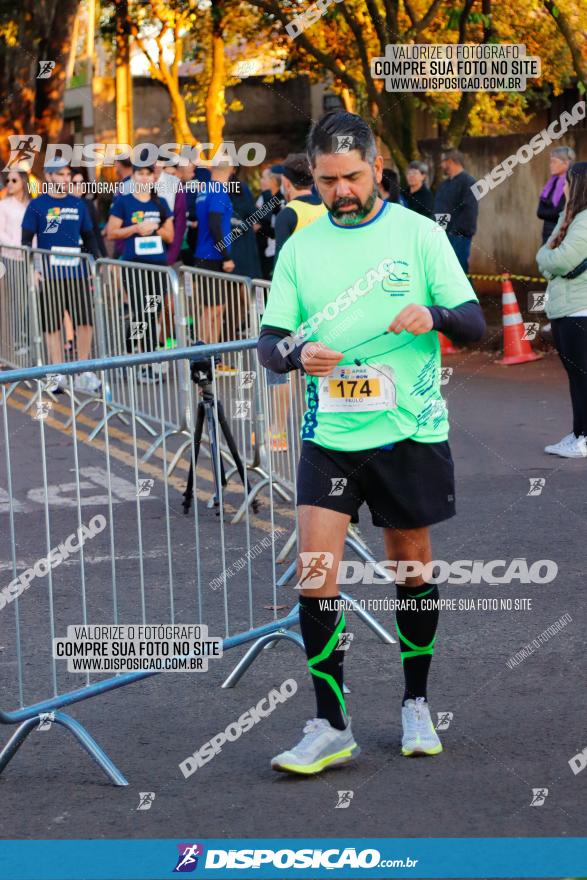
(512, 729)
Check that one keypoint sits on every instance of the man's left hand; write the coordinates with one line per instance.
(415, 319)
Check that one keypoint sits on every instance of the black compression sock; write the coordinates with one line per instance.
(417, 632)
(321, 629)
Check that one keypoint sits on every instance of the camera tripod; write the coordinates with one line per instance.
(205, 412)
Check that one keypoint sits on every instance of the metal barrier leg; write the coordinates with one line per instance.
(78, 731)
(369, 620)
(172, 432)
(364, 615)
(257, 488)
(254, 651)
(16, 740)
(178, 455)
(363, 552)
(89, 400)
(119, 413)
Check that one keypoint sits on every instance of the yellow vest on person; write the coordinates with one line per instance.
(305, 212)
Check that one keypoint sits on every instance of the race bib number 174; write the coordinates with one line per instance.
(358, 389)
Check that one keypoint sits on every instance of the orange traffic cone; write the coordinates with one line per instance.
(516, 349)
(446, 346)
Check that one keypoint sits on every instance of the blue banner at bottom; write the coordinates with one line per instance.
(276, 858)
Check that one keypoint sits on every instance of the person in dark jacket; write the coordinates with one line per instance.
(455, 200)
(389, 188)
(270, 193)
(417, 196)
(552, 197)
(79, 180)
(245, 252)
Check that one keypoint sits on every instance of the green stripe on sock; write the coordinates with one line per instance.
(425, 593)
(326, 652)
(416, 649)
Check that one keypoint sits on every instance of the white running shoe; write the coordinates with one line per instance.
(87, 382)
(55, 383)
(322, 746)
(569, 447)
(419, 737)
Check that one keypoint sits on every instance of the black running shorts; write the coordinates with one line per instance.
(57, 295)
(407, 487)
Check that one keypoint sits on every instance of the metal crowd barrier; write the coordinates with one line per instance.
(16, 331)
(139, 310)
(142, 558)
(218, 307)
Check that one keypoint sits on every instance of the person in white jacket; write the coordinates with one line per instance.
(563, 262)
(12, 208)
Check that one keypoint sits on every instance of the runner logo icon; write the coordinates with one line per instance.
(188, 857)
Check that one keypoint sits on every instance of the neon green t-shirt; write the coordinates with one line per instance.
(345, 285)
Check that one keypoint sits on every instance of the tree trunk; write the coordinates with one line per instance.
(124, 109)
(179, 117)
(215, 94)
(574, 43)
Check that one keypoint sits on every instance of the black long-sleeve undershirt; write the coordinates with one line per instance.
(215, 227)
(464, 323)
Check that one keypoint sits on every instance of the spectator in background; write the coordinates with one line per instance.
(270, 192)
(417, 196)
(563, 261)
(213, 251)
(389, 188)
(190, 184)
(303, 206)
(79, 179)
(123, 169)
(12, 211)
(167, 182)
(60, 222)
(172, 190)
(244, 243)
(13, 207)
(552, 197)
(456, 201)
(143, 223)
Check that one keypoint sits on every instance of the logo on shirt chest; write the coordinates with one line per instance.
(397, 281)
(53, 220)
(56, 216)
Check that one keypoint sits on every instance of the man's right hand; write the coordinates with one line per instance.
(319, 360)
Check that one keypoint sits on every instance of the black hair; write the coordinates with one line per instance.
(153, 194)
(124, 160)
(577, 180)
(81, 171)
(341, 132)
(390, 183)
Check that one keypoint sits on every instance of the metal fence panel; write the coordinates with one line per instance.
(16, 330)
(139, 311)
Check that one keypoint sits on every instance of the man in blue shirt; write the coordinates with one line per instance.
(61, 222)
(194, 176)
(213, 215)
